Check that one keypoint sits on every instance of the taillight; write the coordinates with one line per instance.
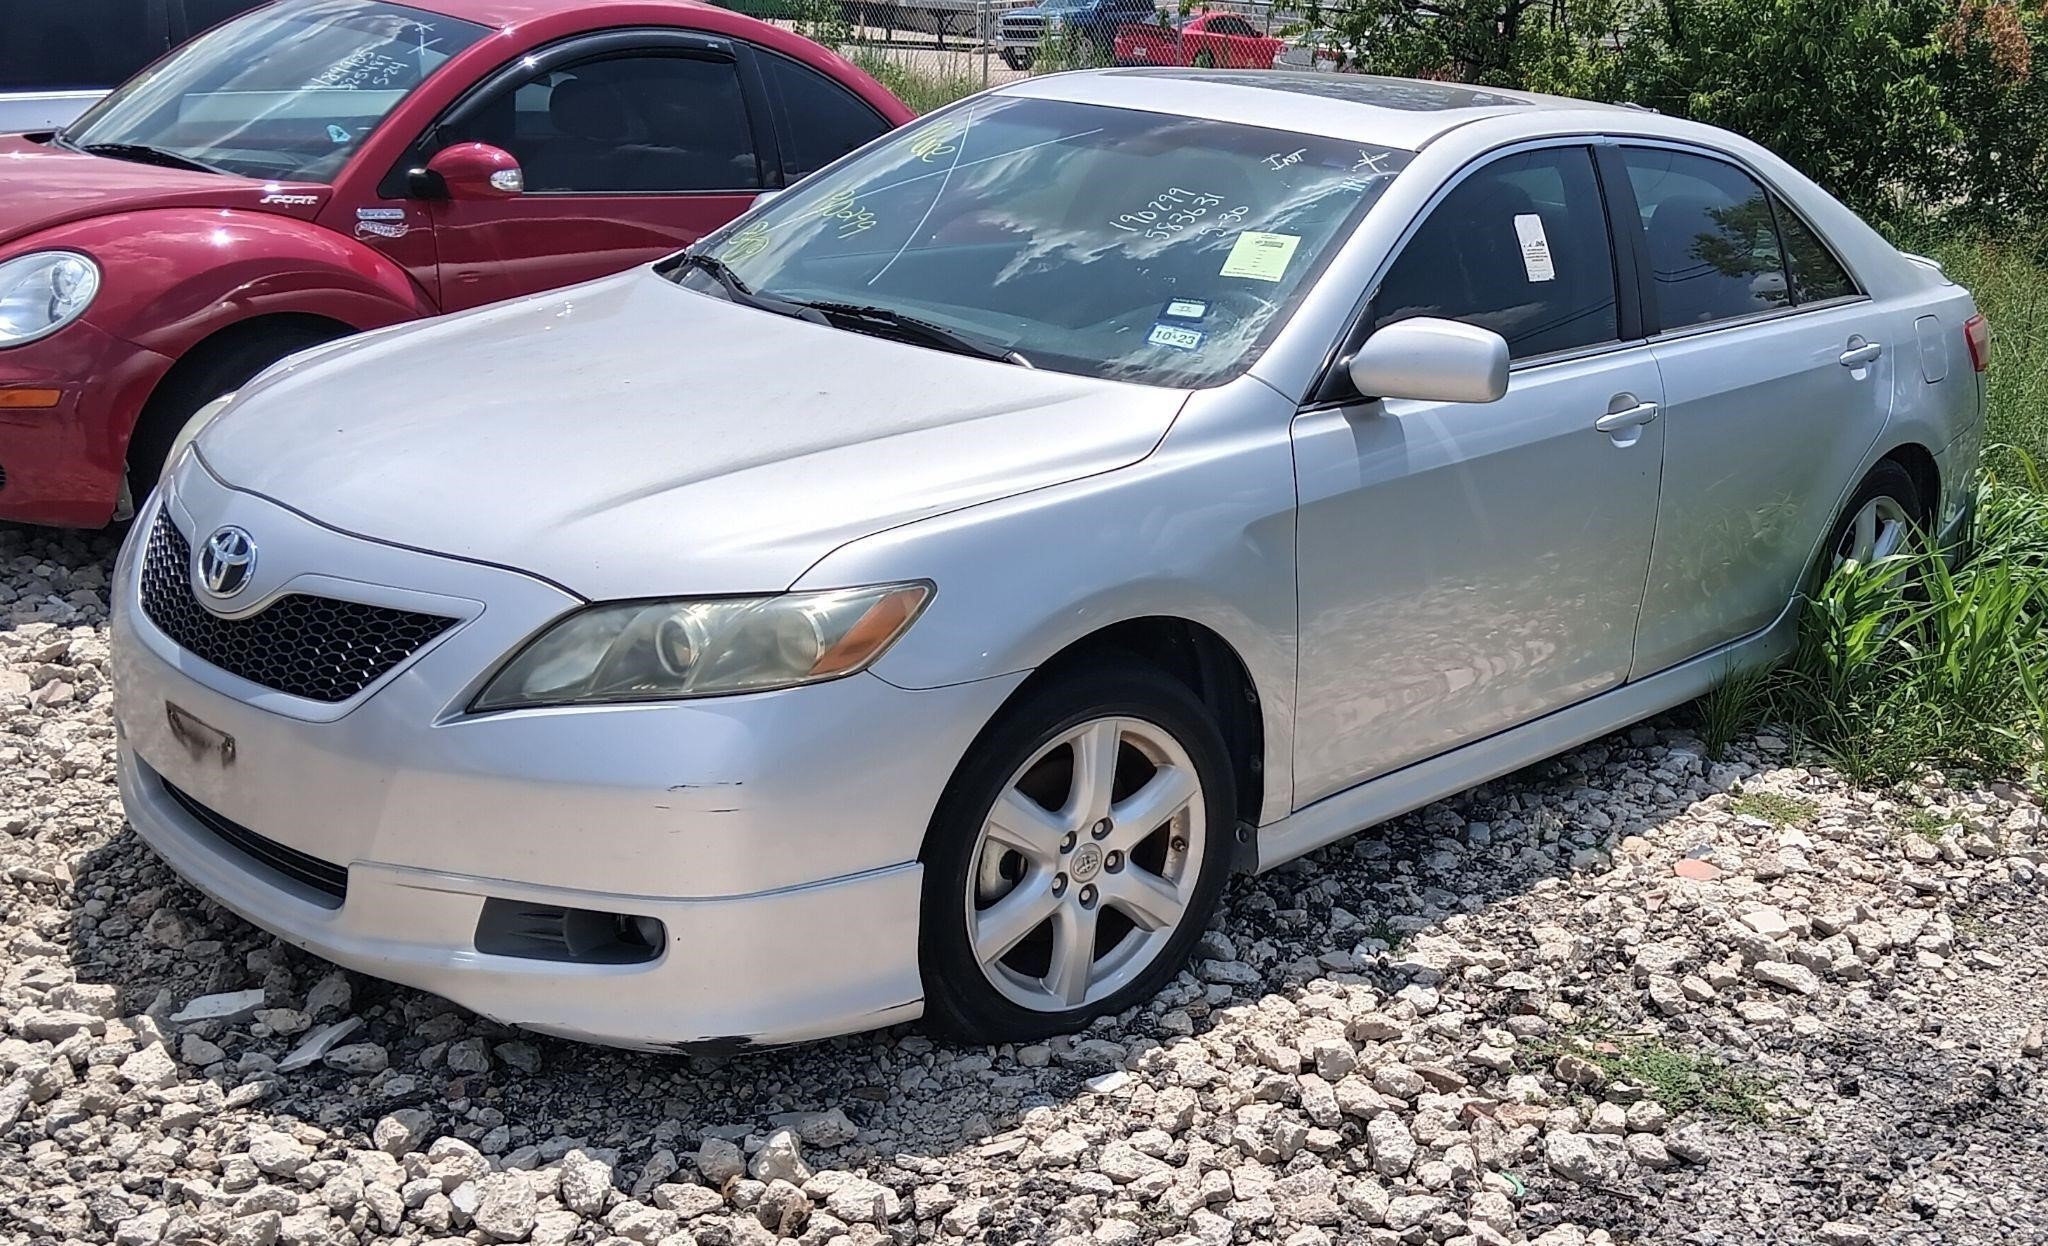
(1977, 334)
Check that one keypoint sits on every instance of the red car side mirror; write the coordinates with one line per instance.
(478, 171)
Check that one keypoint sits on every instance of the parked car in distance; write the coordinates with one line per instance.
(319, 167)
(58, 57)
(1104, 484)
(1205, 41)
(1320, 50)
(1088, 27)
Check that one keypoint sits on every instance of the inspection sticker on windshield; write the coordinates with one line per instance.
(1177, 336)
(1262, 257)
(1535, 248)
(1185, 309)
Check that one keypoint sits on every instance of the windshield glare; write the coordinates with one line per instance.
(1102, 241)
(285, 92)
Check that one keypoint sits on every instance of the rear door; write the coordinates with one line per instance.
(1777, 374)
(817, 120)
(633, 144)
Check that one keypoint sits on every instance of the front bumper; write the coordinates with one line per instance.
(64, 465)
(760, 831)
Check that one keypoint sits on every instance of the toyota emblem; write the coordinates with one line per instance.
(227, 561)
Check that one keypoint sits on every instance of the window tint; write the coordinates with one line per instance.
(204, 14)
(1816, 274)
(1232, 26)
(624, 125)
(825, 120)
(1712, 249)
(1519, 247)
(74, 45)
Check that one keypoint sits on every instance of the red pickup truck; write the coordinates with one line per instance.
(319, 167)
(1208, 41)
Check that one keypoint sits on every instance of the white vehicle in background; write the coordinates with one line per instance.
(58, 57)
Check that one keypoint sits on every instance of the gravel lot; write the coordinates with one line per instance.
(1628, 995)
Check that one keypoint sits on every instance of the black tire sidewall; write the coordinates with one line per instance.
(960, 1002)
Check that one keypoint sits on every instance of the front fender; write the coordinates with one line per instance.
(172, 276)
(1203, 530)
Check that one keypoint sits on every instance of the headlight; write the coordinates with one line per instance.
(43, 292)
(657, 651)
(190, 433)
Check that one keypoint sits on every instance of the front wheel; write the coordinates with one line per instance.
(215, 369)
(1076, 855)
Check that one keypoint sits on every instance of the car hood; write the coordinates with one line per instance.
(632, 438)
(43, 186)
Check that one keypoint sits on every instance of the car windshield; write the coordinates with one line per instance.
(287, 91)
(1147, 247)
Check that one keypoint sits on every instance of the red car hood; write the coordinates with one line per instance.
(43, 185)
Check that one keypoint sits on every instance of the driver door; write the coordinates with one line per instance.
(629, 151)
(1466, 567)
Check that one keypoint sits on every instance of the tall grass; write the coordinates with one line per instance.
(1909, 663)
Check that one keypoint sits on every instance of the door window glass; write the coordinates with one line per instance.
(1816, 273)
(825, 119)
(624, 125)
(1519, 247)
(1232, 26)
(1707, 227)
(74, 45)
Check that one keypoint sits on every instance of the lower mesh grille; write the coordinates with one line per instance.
(328, 880)
(320, 648)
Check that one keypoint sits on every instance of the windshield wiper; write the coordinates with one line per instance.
(739, 292)
(142, 153)
(924, 330)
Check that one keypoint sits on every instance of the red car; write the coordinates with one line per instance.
(1210, 41)
(319, 167)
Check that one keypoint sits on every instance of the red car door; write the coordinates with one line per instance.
(631, 144)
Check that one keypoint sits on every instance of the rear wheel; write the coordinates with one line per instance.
(1205, 59)
(1884, 516)
(214, 368)
(1076, 855)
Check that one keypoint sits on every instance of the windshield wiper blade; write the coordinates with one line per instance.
(932, 334)
(143, 153)
(739, 292)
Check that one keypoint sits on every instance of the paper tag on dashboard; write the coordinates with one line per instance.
(1535, 248)
(1260, 256)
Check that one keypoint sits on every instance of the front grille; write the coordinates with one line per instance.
(319, 648)
(1023, 29)
(328, 881)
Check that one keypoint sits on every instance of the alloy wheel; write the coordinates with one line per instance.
(1879, 530)
(1086, 864)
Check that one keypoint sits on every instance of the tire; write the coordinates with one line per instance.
(1081, 876)
(1887, 492)
(199, 378)
(1205, 59)
(1017, 59)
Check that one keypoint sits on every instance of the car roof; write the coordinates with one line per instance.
(499, 14)
(1391, 112)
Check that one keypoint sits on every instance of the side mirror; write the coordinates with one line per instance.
(1432, 360)
(477, 171)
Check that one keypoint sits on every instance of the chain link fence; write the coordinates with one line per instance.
(933, 51)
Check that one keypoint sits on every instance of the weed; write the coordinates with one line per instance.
(1775, 808)
(1384, 931)
(1927, 824)
(1733, 706)
(1682, 1080)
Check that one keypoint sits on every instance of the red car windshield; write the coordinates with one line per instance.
(286, 92)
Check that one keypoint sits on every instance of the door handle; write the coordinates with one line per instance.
(1861, 352)
(1628, 417)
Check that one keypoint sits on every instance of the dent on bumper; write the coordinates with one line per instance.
(773, 967)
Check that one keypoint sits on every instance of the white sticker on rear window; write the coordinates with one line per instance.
(1535, 248)
(1260, 256)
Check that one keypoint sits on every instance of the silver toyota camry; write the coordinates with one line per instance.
(920, 596)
